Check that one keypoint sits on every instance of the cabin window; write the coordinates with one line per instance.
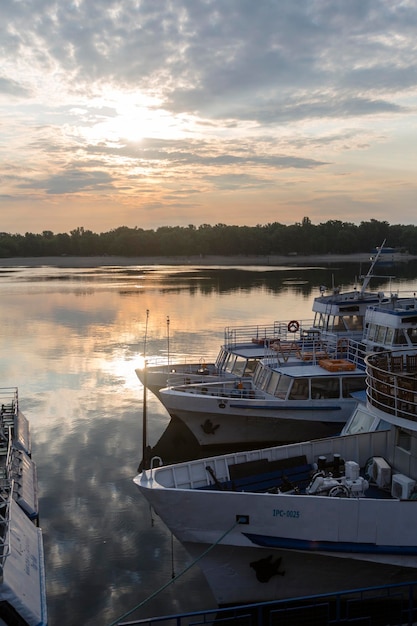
(258, 373)
(250, 367)
(412, 333)
(354, 322)
(325, 387)
(272, 383)
(399, 337)
(239, 366)
(371, 333)
(299, 389)
(390, 336)
(229, 362)
(352, 384)
(360, 423)
(404, 439)
(283, 386)
(380, 335)
(338, 324)
(262, 377)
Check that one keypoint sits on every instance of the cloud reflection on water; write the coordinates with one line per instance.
(71, 341)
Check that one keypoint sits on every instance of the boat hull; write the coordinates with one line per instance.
(321, 543)
(216, 422)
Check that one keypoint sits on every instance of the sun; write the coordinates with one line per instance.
(131, 117)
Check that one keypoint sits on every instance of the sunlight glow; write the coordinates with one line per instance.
(118, 117)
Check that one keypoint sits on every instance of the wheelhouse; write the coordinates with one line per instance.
(293, 385)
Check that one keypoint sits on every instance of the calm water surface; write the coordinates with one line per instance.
(70, 341)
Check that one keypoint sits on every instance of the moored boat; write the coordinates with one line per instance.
(22, 583)
(337, 315)
(311, 394)
(302, 389)
(320, 515)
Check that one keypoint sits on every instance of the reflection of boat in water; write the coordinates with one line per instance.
(22, 583)
(317, 516)
(178, 444)
(336, 315)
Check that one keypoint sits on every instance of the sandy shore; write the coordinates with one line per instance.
(272, 260)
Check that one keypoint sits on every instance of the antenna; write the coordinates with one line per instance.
(371, 269)
(146, 333)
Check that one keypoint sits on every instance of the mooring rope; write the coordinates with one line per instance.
(175, 578)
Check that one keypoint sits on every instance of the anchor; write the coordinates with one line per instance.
(266, 568)
(209, 428)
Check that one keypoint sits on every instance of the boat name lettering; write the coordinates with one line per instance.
(285, 513)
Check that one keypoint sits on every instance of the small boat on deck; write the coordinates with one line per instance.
(22, 581)
(311, 517)
(337, 316)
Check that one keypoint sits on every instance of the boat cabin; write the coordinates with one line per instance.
(294, 383)
(392, 324)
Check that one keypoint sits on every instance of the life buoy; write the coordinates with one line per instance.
(293, 326)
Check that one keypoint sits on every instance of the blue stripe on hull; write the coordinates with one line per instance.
(329, 546)
(287, 407)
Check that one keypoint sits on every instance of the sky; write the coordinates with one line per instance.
(150, 113)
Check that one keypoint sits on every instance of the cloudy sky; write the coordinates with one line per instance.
(173, 112)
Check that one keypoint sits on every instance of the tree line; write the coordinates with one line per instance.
(332, 237)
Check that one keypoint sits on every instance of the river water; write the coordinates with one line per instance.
(70, 341)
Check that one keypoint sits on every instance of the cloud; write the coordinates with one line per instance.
(73, 181)
(145, 99)
(13, 88)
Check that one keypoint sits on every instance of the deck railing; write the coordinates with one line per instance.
(389, 604)
(392, 383)
(290, 330)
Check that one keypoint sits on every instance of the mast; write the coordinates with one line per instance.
(144, 410)
(368, 276)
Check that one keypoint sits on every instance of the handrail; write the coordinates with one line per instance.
(399, 599)
(234, 335)
(9, 408)
(6, 492)
(392, 383)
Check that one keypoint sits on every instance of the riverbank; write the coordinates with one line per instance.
(203, 260)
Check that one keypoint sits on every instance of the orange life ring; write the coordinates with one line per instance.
(293, 326)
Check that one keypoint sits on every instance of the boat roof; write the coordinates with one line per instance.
(248, 351)
(307, 370)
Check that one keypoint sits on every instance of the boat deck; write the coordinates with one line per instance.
(292, 475)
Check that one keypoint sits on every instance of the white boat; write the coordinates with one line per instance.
(336, 315)
(318, 516)
(391, 324)
(242, 348)
(310, 395)
(292, 394)
(22, 581)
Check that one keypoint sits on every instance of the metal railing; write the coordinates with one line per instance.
(265, 333)
(392, 383)
(382, 606)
